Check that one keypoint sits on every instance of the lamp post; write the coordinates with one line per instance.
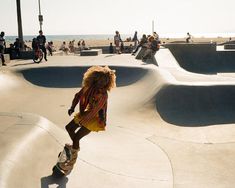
(152, 26)
(40, 17)
(20, 30)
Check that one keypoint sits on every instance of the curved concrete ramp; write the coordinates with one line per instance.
(28, 144)
(197, 105)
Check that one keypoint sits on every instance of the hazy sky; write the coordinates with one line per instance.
(106, 16)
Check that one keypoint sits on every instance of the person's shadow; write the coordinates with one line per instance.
(50, 180)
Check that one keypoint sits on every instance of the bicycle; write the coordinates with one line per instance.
(38, 55)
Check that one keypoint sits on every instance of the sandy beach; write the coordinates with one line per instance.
(95, 43)
(106, 42)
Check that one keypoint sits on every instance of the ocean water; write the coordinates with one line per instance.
(11, 39)
(67, 37)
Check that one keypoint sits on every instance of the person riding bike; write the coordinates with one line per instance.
(42, 42)
(38, 55)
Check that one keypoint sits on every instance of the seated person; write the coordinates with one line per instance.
(84, 47)
(50, 48)
(17, 47)
(111, 48)
(64, 48)
(142, 43)
(152, 47)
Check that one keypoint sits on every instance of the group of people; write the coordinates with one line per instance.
(70, 48)
(119, 44)
(81, 45)
(151, 43)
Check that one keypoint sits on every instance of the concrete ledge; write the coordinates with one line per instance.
(26, 54)
(92, 52)
(60, 52)
(229, 46)
(140, 53)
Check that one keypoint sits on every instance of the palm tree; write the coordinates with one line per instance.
(20, 31)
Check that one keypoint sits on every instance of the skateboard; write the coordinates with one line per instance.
(63, 166)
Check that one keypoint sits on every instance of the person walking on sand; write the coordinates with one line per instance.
(92, 99)
(189, 38)
(42, 41)
(2, 47)
(117, 42)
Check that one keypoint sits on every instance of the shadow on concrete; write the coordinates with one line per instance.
(22, 64)
(203, 58)
(197, 105)
(51, 180)
(71, 77)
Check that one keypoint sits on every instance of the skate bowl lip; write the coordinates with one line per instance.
(71, 76)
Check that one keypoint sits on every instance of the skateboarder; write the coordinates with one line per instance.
(92, 99)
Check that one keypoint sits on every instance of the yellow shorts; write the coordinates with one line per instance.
(92, 125)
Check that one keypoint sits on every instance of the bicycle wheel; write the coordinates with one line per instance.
(38, 56)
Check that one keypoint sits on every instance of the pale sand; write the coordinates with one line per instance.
(95, 43)
(106, 42)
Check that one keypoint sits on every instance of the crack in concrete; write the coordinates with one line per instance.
(120, 174)
(172, 170)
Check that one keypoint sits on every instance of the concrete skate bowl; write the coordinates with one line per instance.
(197, 105)
(71, 77)
(203, 58)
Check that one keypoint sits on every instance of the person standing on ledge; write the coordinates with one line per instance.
(2, 47)
(92, 99)
(42, 42)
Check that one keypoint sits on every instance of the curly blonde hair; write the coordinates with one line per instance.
(100, 78)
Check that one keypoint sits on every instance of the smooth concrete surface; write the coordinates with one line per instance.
(167, 128)
(229, 46)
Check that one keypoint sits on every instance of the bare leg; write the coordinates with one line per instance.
(83, 131)
(71, 128)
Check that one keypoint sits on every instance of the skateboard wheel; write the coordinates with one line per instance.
(59, 154)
